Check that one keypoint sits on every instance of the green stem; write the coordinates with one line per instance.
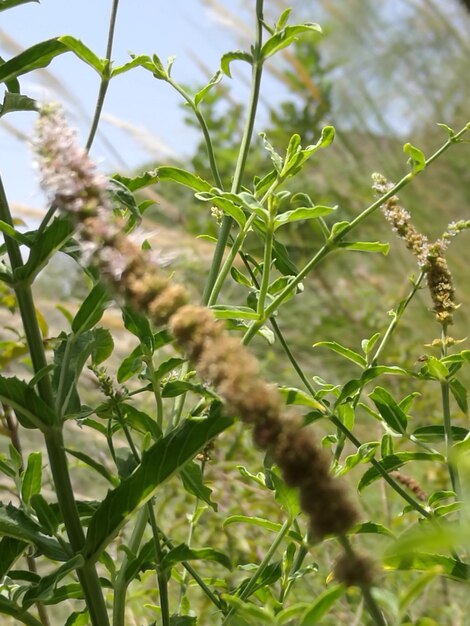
(445, 393)
(155, 381)
(105, 77)
(331, 243)
(162, 578)
(248, 590)
(268, 249)
(121, 584)
(257, 69)
(53, 435)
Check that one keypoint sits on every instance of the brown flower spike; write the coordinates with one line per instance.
(219, 358)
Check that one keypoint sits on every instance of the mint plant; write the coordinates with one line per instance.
(191, 377)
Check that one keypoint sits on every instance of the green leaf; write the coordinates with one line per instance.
(178, 387)
(140, 421)
(45, 514)
(31, 478)
(437, 433)
(322, 605)
(193, 482)
(273, 527)
(346, 352)
(91, 309)
(168, 366)
(370, 528)
(275, 157)
(223, 312)
(131, 365)
(436, 368)
(31, 411)
(373, 372)
(240, 278)
(8, 607)
(141, 59)
(296, 396)
(13, 102)
(103, 345)
(138, 324)
(364, 454)
(337, 229)
(15, 523)
(235, 55)
(417, 159)
(389, 410)
(252, 612)
(10, 551)
(93, 463)
(394, 461)
(84, 53)
(416, 561)
(10, 4)
(459, 391)
(215, 80)
(38, 56)
(286, 36)
(163, 459)
(302, 213)
(365, 246)
(282, 21)
(229, 203)
(183, 177)
(182, 552)
(45, 588)
(138, 182)
(286, 497)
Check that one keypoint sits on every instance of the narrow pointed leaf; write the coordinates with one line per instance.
(236, 55)
(392, 414)
(32, 477)
(394, 461)
(286, 36)
(322, 605)
(183, 552)
(346, 352)
(165, 458)
(32, 412)
(178, 175)
(38, 56)
(10, 4)
(84, 53)
(91, 309)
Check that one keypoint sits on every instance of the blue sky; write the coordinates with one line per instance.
(187, 29)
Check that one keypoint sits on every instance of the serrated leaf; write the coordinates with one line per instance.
(91, 309)
(286, 36)
(394, 461)
(182, 552)
(141, 59)
(138, 182)
(215, 80)
(322, 605)
(276, 158)
(236, 55)
(356, 358)
(391, 413)
(38, 56)
(302, 213)
(13, 102)
(84, 53)
(183, 177)
(163, 459)
(365, 246)
(30, 409)
(193, 482)
(417, 158)
(15, 523)
(31, 478)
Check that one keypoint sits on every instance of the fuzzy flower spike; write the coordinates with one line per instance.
(220, 359)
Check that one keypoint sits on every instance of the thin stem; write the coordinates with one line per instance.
(105, 77)
(155, 382)
(331, 243)
(447, 420)
(268, 248)
(162, 578)
(121, 584)
(250, 587)
(257, 69)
